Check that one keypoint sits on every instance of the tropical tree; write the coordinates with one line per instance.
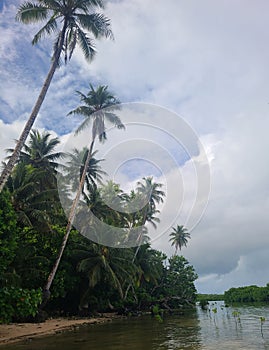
(151, 194)
(32, 205)
(104, 265)
(179, 237)
(98, 107)
(75, 18)
(40, 153)
(74, 167)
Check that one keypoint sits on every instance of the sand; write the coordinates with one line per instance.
(11, 333)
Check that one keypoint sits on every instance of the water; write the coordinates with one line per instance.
(225, 329)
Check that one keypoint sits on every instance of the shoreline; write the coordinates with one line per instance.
(16, 332)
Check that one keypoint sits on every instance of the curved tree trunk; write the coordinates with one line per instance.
(27, 128)
(46, 291)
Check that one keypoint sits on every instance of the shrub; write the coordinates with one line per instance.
(18, 304)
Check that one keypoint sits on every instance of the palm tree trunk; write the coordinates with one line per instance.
(27, 128)
(71, 217)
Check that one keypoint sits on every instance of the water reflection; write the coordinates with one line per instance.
(220, 328)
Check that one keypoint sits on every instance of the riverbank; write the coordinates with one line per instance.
(15, 332)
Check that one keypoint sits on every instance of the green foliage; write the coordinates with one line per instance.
(91, 277)
(8, 234)
(203, 303)
(210, 297)
(247, 294)
(18, 304)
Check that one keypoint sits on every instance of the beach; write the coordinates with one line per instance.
(15, 332)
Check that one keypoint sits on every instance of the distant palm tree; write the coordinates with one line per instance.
(99, 106)
(76, 18)
(179, 237)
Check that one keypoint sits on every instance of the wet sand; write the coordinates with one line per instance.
(11, 333)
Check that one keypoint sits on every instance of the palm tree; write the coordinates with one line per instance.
(40, 154)
(152, 195)
(103, 264)
(99, 106)
(179, 237)
(40, 151)
(74, 167)
(31, 204)
(76, 18)
(33, 180)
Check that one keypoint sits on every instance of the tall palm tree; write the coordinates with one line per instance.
(150, 194)
(179, 237)
(98, 106)
(75, 18)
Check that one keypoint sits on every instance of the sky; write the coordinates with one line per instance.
(199, 72)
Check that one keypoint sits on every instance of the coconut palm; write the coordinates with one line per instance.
(70, 20)
(31, 204)
(151, 194)
(40, 154)
(179, 237)
(104, 264)
(40, 151)
(98, 106)
(74, 167)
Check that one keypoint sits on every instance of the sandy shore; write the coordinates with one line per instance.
(10, 333)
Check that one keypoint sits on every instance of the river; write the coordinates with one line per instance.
(221, 328)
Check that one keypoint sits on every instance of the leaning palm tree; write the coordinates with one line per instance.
(75, 18)
(179, 237)
(98, 106)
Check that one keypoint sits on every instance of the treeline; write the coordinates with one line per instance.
(210, 297)
(247, 294)
(91, 277)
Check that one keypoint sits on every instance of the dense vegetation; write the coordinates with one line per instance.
(247, 294)
(210, 297)
(91, 277)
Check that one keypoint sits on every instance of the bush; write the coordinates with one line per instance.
(17, 304)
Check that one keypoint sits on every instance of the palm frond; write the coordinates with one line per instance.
(86, 44)
(114, 119)
(48, 28)
(30, 12)
(97, 24)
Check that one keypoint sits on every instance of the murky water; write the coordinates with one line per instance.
(221, 328)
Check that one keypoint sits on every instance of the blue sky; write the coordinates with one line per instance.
(205, 61)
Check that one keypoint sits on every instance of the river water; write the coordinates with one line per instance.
(221, 328)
